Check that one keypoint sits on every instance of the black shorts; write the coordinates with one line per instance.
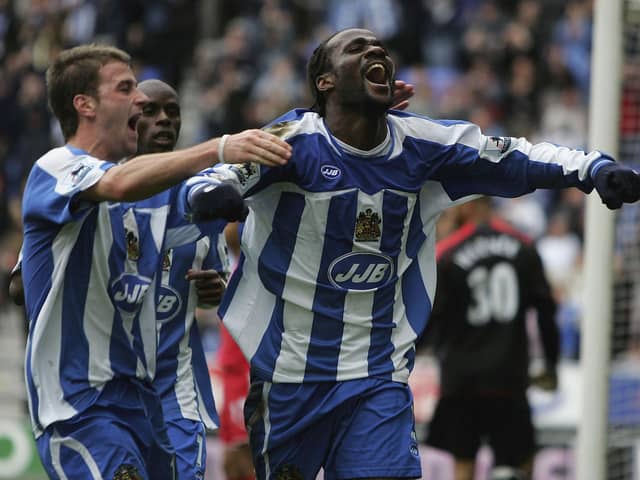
(460, 424)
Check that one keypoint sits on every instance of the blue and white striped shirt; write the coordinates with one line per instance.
(337, 273)
(91, 283)
(182, 379)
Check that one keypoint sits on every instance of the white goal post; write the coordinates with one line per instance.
(604, 113)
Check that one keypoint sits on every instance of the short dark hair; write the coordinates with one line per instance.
(318, 64)
(77, 71)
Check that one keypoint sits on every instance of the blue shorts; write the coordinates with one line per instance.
(123, 433)
(353, 429)
(189, 440)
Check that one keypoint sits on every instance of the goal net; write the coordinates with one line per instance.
(623, 453)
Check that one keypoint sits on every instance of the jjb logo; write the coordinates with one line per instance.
(360, 271)
(330, 172)
(169, 303)
(128, 290)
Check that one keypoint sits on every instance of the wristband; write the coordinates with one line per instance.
(221, 143)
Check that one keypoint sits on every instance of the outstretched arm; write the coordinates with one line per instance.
(141, 177)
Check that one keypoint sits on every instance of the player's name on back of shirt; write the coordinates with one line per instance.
(484, 247)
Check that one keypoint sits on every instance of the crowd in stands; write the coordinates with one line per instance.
(517, 68)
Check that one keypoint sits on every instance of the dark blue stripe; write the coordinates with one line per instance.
(212, 258)
(74, 353)
(415, 297)
(232, 286)
(416, 236)
(545, 175)
(122, 357)
(182, 260)
(394, 212)
(37, 269)
(263, 362)
(416, 318)
(273, 264)
(201, 373)
(275, 257)
(328, 302)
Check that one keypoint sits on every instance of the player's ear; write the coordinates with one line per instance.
(325, 82)
(85, 105)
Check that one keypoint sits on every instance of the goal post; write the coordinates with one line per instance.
(604, 113)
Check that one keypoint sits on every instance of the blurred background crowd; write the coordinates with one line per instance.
(517, 68)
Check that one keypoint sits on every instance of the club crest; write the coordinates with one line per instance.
(166, 261)
(368, 226)
(133, 245)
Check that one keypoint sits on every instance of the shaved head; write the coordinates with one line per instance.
(154, 88)
(159, 125)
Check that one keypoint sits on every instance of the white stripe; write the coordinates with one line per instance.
(47, 334)
(148, 332)
(200, 441)
(60, 162)
(181, 236)
(209, 423)
(247, 327)
(570, 160)
(99, 311)
(433, 200)
(158, 223)
(55, 445)
(186, 386)
(402, 336)
(358, 307)
(356, 337)
(425, 129)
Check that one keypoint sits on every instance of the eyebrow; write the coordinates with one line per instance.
(366, 40)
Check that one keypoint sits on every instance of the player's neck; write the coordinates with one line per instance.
(360, 131)
(86, 139)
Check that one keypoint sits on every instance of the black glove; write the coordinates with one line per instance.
(617, 184)
(209, 202)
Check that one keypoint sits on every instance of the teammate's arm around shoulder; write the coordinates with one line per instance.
(146, 175)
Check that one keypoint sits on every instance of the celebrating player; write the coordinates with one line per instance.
(489, 277)
(90, 260)
(337, 274)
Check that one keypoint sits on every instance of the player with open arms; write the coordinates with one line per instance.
(490, 278)
(337, 273)
(89, 265)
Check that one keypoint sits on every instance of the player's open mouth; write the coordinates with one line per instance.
(164, 137)
(376, 74)
(133, 121)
